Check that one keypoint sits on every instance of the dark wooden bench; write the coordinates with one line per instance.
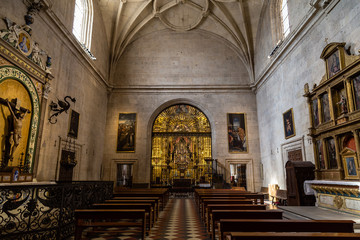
(293, 236)
(107, 218)
(162, 193)
(153, 202)
(206, 202)
(211, 207)
(157, 200)
(146, 206)
(241, 214)
(279, 225)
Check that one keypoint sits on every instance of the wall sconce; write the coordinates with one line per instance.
(58, 108)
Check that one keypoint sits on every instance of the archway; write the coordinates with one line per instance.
(181, 146)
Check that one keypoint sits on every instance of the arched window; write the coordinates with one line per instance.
(83, 21)
(284, 13)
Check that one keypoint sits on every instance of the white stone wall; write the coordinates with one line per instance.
(283, 87)
(74, 75)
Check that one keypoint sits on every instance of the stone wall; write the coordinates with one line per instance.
(283, 86)
(162, 69)
(76, 75)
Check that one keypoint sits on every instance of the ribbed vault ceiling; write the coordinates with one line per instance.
(236, 21)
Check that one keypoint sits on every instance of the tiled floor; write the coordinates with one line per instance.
(179, 221)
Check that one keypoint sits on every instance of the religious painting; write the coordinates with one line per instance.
(289, 125)
(320, 154)
(350, 164)
(331, 153)
(325, 107)
(356, 91)
(74, 124)
(333, 64)
(126, 132)
(237, 137)
(315, 112)
(24, 43)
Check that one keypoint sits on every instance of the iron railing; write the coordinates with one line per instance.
(30, 212)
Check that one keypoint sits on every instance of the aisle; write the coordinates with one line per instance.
(179, 221)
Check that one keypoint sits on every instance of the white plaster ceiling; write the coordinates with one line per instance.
(235, 21)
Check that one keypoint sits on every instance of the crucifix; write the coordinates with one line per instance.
(15, 123)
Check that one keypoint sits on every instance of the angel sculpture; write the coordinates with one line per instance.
(11, 35)
(36, 53)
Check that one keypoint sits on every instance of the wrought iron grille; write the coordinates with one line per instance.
(46, 211)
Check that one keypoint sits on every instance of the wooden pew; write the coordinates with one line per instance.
(153, 202)
(211, 207)
(279, 225)
(293, 236)
(163, 193)
(206, 202)
(82, 217)
(241, 214)
(256, 197)
(157, 200)
(146, 206)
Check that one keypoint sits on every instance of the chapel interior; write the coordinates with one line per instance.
(125, 98)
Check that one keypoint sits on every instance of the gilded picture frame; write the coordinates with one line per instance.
(237, 133)
(350, 164)
(126, 132)
(74, 124)
(289, 124)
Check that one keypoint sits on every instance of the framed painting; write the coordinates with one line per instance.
(25, 44)
(333, 64)
(74, 124)
(325, 107)
(320, 154)
(350, 164)
(289, 126)
(126, 132)
(356, 91)
(237, 133)
(315, 112)
(331, 153)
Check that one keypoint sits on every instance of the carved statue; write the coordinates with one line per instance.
(17, 118)
(15, 124)
(35, 55)
(342, 104)
(11, 35)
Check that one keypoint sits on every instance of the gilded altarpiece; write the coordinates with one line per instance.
(23, 86)
(181, 146)
(335, 126)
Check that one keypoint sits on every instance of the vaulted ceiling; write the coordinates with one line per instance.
(235, 21)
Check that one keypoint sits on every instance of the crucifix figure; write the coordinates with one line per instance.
(15, 124)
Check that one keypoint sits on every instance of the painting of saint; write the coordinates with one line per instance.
(356, 87)
(320, 154)
(126, 132)
(331, 153)
(289, 126)
(350, 165)
(333, 64)
(315, 111)
(237, 137)
(25, 43)
(74, 124)
(325, 107)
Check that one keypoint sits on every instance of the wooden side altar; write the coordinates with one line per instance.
(334, 109)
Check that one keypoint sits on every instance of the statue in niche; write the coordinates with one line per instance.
(35, 55)
(15, 124)
(342, 104)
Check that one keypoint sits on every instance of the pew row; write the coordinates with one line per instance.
(279, 225)
(293, 236)
(241, 214)
(107, 218)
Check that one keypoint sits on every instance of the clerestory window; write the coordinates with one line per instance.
(284, 13)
